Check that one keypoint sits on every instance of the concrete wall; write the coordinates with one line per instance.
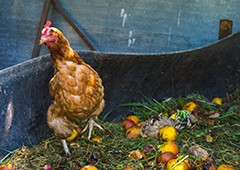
(153, 26)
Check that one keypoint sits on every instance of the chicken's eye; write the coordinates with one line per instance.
(51, 33)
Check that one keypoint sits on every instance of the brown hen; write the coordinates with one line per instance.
(76, 89)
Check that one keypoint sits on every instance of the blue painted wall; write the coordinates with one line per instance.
(18, 25)
(136, 26)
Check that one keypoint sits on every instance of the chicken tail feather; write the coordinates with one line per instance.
(60, 124)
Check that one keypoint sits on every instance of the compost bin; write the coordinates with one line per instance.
(211, 71)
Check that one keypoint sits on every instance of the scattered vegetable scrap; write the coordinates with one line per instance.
(96, 139)
(185, 133)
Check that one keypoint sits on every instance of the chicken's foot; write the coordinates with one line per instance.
(65, 147)
(91, 123)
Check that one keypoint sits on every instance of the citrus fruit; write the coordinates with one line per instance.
(177, 166)
(168, 147)
(133, 118)
(168, 133)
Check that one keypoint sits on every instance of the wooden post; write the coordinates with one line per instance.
(225, 28)
(74, 26)
(43, 19)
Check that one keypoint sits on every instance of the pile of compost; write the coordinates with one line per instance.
(215, 129)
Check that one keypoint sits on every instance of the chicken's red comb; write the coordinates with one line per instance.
(46, 27)
(48, 23)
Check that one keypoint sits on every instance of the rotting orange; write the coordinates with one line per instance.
(168, 147)
(133, 118)
(168, 133)
(177, 166)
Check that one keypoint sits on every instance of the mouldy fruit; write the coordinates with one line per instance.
(89, 167)
(128, 123)
(226, 167)
(168, 133)
(168, 147)
(133, 132)
(133, 118)
(164, 158)
(177, 166)
(198, 152)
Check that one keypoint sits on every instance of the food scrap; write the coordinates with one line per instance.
(190, 132)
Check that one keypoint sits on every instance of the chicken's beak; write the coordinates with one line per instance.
(42, 41)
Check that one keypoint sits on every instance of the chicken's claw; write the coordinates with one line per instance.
(91, 123)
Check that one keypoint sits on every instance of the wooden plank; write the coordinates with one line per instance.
(43, 19)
